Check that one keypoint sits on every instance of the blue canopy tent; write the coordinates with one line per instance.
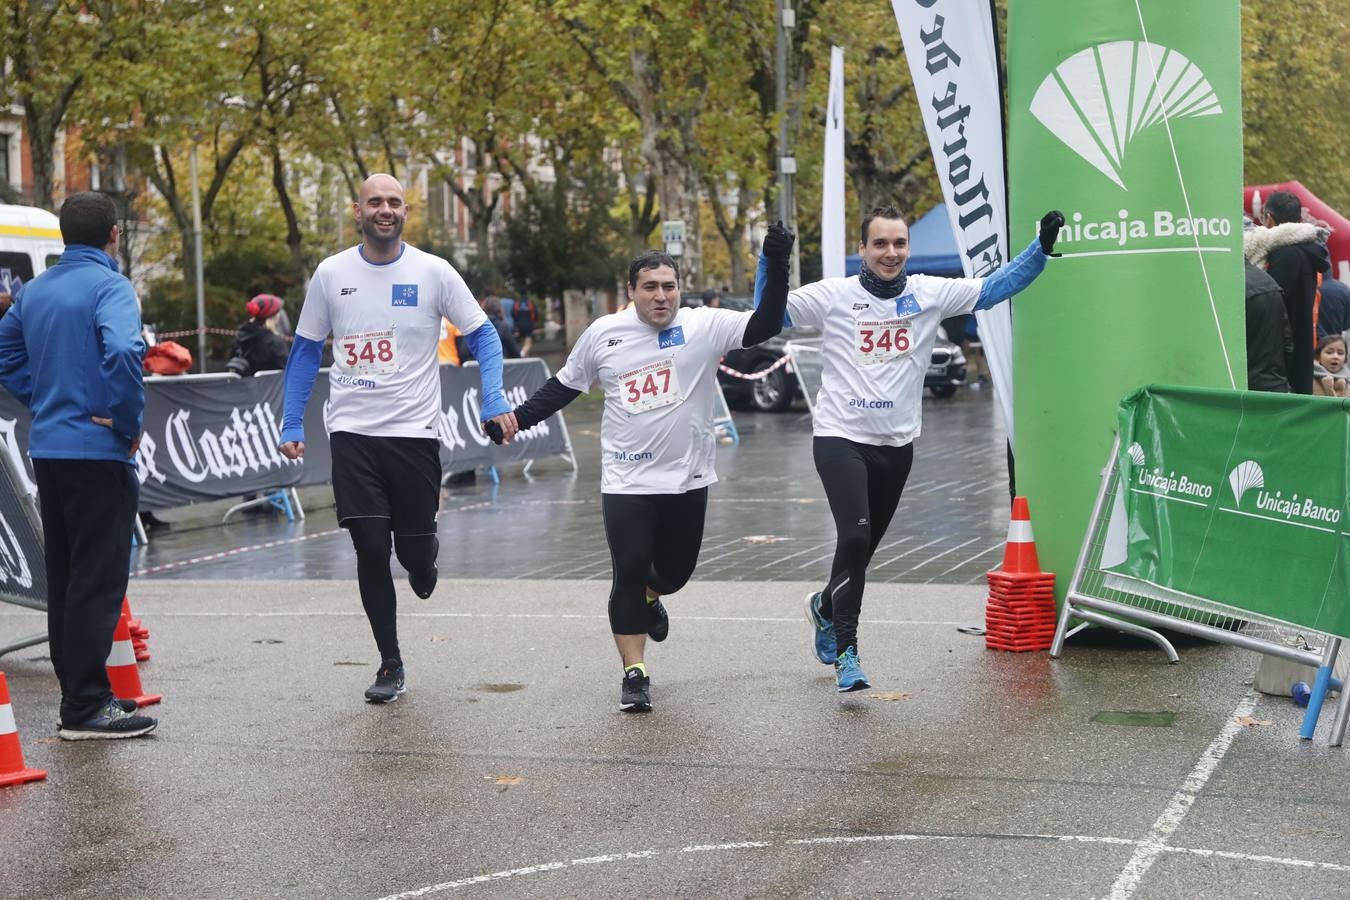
(932, 247)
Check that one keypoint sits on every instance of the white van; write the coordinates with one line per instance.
(30, 242)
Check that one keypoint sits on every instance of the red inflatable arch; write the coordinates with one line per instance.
(1339, 245)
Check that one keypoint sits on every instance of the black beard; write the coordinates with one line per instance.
(371, 236)
(879, 287)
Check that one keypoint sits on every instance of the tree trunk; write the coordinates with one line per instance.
(294, 237)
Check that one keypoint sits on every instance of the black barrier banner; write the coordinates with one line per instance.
(213, 437)
(23, 568)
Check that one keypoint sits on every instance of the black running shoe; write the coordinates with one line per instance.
(658, 625)
(128, 706)
(636, 695)
(388, 685)
(110, 723)
(423, 583)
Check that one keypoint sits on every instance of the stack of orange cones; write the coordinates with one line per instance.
(140, 635)
(1019, 614)
(12, 768)
(123, 675)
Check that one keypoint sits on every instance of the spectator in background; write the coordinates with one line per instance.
(1329, 371)
(257, 346)
(9, 293)
(712, 298)
(71, 351)
(1268, 336)
(1295, 259)
(525, 315)
(1333, 312)
(492, 305)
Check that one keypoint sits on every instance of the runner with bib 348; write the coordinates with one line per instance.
(657, 364)
(383, 302)
(878, 329)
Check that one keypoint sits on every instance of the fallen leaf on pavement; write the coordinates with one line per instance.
(509, 779)
(889, 695)
(1248, 721)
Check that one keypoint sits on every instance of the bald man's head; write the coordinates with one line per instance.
(381, 213)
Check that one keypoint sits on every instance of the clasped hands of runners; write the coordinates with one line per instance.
(504, 425)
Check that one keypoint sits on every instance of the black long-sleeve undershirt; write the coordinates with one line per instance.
(546, 401)
(767, 319)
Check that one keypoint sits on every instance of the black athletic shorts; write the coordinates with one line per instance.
(395, 478)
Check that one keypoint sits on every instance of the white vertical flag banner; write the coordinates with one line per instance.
(832, 249)
(954, 63)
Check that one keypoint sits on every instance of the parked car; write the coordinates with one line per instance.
(776, 391)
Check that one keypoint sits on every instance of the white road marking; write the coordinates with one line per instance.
(860, 839)
(1153, 846)
(969, 559)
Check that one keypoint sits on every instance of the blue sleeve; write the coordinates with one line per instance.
(15, 374)
(1013, 277)
(118, 321)
(302, 367)
(487, 349)
(761, 279)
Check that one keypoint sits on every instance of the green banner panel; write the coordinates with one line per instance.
(1242, 498)
(1127, 117)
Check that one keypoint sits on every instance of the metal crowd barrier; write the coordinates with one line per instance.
(1099, 597)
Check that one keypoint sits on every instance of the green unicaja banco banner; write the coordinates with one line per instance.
(1242, 498)
(1127, 117)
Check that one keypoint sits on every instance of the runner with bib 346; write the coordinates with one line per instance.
(657, 364)
(878, 329)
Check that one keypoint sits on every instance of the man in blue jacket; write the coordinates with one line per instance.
(71, 349)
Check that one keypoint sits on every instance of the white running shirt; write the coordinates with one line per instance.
(876, 352)
(386, 322)
(656, 435)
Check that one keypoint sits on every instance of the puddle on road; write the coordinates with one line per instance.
(505, 688)
(1137, 718)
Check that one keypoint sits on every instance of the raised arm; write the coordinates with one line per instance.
(1023, 270)
(771, 287)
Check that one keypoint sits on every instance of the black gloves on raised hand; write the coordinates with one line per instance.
(494, 431)
(1051, 223)
(778, 242)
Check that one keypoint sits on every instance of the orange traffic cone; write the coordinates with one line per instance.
(1019, 612)
(123, 675)
(140, 636)
(12, 768)
(1019, 556)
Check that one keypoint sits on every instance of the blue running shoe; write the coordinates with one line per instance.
(848, 674)
(822, 630)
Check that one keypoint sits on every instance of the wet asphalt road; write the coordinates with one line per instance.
(508, 771)
(767, 517)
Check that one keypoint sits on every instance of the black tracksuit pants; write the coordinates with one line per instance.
(87, 506)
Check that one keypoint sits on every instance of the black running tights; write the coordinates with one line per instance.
(863, 483)
(373, 540)
(653, 542)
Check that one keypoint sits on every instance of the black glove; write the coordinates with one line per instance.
(1051, 223)
(494, 431)
(778, 242)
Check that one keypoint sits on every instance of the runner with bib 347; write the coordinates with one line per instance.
(877, 330)
(657, 364)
